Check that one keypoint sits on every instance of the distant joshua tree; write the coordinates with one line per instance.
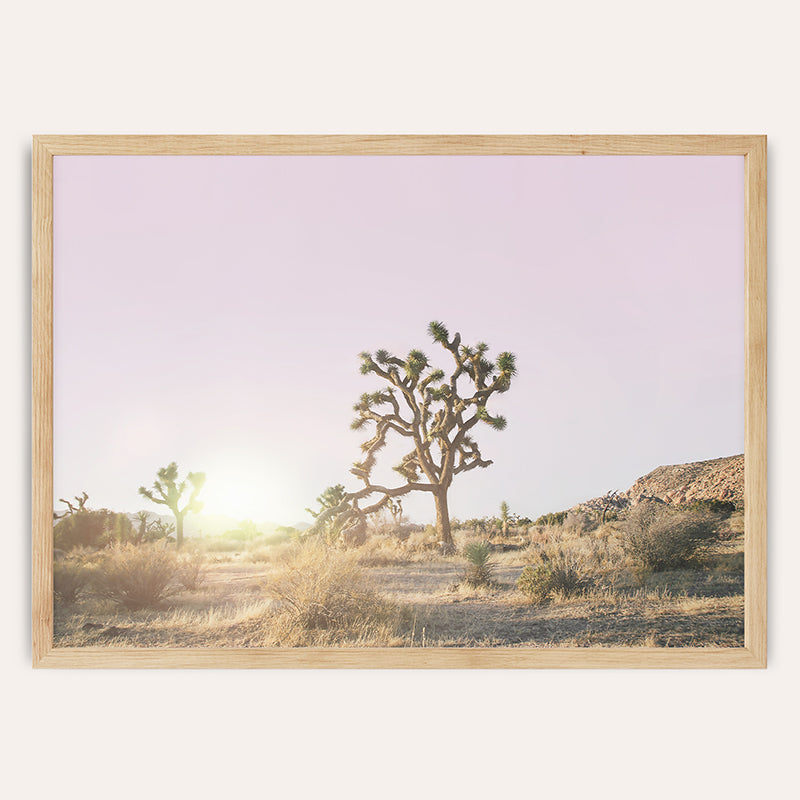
(434, 414)
(167, 491)
(505, 516)
(80, 499)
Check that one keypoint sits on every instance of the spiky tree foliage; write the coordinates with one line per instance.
(480, 566)
(331, 498)
(435, 413)
(168, 491)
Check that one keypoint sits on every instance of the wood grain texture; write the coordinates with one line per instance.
(755, 464)
(402, 658)
(752, 655)
(42, 399)
(399, 145)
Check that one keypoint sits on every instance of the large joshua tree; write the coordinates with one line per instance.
(168, 491)
(435, 413)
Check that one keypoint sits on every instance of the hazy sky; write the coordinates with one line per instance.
(210, 311)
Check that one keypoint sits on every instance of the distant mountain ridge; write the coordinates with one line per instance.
(212, 524)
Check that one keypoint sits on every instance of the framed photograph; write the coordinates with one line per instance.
(399, 401)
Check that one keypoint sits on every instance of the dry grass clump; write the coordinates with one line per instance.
(421, 542)
(136, 577)
(559, 572)
(325, 599)
(382, 551)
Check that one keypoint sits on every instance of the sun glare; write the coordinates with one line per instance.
(241, 494)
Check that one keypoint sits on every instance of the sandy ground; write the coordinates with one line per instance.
(437, 612)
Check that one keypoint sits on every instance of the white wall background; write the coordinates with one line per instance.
(422, 66)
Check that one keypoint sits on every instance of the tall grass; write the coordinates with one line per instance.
(558, 572)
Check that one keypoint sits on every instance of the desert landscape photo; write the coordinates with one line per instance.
(395, 401)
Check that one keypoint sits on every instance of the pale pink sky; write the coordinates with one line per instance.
(210, 310)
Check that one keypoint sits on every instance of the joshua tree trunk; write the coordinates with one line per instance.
(443, 518)
(178, 530)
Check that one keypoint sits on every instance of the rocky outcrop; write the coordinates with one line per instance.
(718, 479)
(679, 484)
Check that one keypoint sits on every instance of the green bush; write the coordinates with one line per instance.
(93, 529)
(658, 538)
(557, 573)
(136, 577)
(480, 567)
(724, 508)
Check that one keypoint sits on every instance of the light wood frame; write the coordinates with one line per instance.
(754, 652)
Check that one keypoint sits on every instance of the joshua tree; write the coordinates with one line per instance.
(143, 518)
(396, 510)
(159, 530)
(505, 516)
(609, 501)
(167, 491)
(434, 414)
(330, 498)
(80, 499)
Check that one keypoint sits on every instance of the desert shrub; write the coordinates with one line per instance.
(136, 577)
(480, 566)
(558, 572)
(324, 597)
(84, 529)
(657, 538)
(580, 522)
(70, 580)
(554, 518)
(191, 571)
(421, 541)
(723, 508)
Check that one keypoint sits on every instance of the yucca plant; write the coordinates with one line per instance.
(480, 566)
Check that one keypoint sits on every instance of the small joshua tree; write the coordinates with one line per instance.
(435, 414)
(330, 498)
(396, 510)
(167, 491)
(505, 516)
